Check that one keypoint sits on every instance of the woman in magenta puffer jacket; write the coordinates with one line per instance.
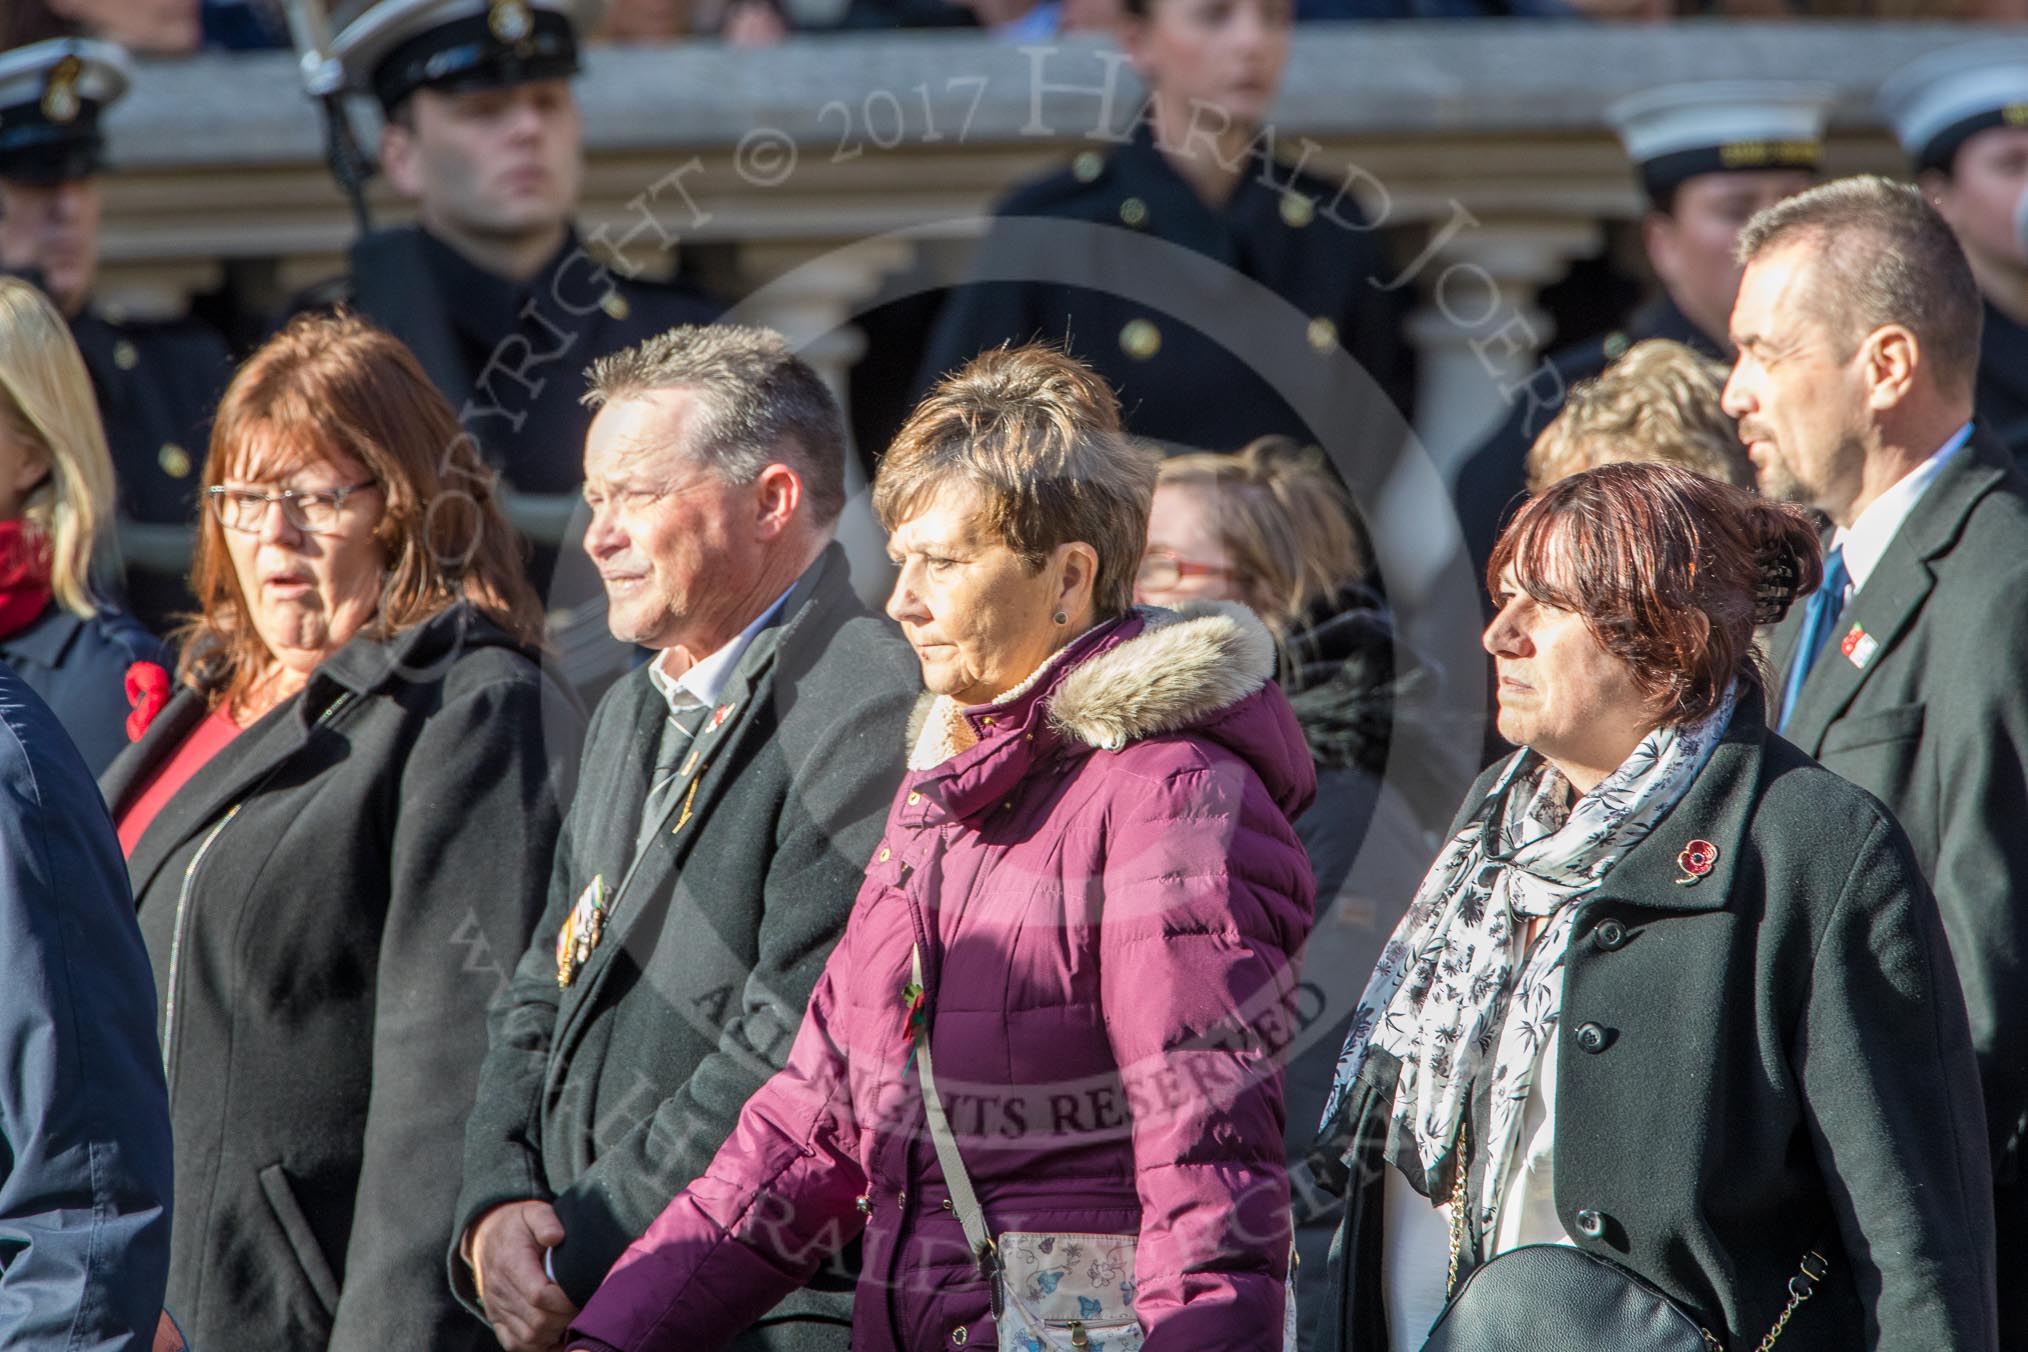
(1092, 852)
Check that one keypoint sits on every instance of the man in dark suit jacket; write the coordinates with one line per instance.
(84, 1124)
(731, 793)
(1854, 394)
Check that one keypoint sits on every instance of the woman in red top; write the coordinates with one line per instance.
(361, 836)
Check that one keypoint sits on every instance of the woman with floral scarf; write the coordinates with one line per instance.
(1672, 995)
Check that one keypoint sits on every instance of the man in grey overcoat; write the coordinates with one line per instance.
(1857, 326)
(731, 792)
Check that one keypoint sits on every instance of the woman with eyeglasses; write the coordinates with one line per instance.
(57, 630)
(1271, 527)
(338, 830)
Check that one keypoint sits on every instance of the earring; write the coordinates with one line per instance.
(1061, 618)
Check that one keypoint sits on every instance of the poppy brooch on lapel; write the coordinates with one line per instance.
(147, 692)
(1696, 860)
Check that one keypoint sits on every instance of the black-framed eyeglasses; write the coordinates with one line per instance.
(246, 509)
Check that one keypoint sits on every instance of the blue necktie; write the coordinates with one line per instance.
(1820, 621)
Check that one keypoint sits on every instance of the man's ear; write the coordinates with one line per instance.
(778, 496)
(1892, 356)
(401, 157)
(1658, 239)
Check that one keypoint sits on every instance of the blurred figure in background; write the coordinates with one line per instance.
(1197, 173)
(1962, 116)
(1709, 156)
(56, 517)
(84, 1122)
(338, 832)
(1658, 402)
(492, 288)
(157, 380)
(1271, 527)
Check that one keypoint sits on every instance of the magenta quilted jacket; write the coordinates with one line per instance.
(1102, 875)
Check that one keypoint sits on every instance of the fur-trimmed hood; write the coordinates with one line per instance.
(1201, 669)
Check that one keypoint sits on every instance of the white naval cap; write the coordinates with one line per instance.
(399, 46)
(1939, 101)
(51, 94)
(1677, 132)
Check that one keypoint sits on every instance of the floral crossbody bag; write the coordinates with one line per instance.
(1052, 1292)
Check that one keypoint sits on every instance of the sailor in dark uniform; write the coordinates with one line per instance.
(492, 288)
(1292, 273)
(157, 380)
(1962, 116)
(1710, 156)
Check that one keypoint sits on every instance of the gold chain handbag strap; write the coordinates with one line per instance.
(1801, 1286)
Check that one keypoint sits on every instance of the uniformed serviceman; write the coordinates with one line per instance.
(491, 287)
(1962, 116)
(1291, 274)
(1710, 156)
(157, 380)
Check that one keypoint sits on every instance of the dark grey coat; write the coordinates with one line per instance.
(373, 857)
(1936, 724)
(1773, 1055)
(608, 1097)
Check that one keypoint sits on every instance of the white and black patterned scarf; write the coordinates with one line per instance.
(1447, 999)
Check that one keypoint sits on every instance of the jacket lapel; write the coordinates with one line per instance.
(1894, 595)
(1716, 809)
(240, 765)
(643, 878)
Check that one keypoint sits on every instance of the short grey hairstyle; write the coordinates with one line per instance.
(761, 404)
(1881, 254)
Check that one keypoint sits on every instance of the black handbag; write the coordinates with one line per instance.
(1557, 1298)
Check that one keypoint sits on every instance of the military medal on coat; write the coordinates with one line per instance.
(582, 930)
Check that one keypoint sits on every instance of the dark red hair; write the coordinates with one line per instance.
(1670, 570)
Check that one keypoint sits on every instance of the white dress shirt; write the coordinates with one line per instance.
(1867, 538)
(705, 681)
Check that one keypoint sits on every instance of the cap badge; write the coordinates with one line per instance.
(510, 20)
(60, 101)
(1696, 860)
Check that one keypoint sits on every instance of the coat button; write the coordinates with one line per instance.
(914, 798)
(1590, 1224)
(864, 1201)
(959, 1335)
(1591, 1037)
(884, 854)
(1609, 935)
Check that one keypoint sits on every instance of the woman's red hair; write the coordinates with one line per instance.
(1670, 570)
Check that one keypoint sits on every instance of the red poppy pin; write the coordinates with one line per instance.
(147, 691)
(1696, 861)
(719, 715)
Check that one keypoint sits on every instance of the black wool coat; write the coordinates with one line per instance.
(329, 903)
(608, 1096)
(1772, 1058)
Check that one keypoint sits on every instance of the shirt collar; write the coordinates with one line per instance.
(705, 681)
(1866, 540)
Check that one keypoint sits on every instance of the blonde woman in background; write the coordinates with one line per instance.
(1273, 528)
(56, 503)
(1658, 402)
